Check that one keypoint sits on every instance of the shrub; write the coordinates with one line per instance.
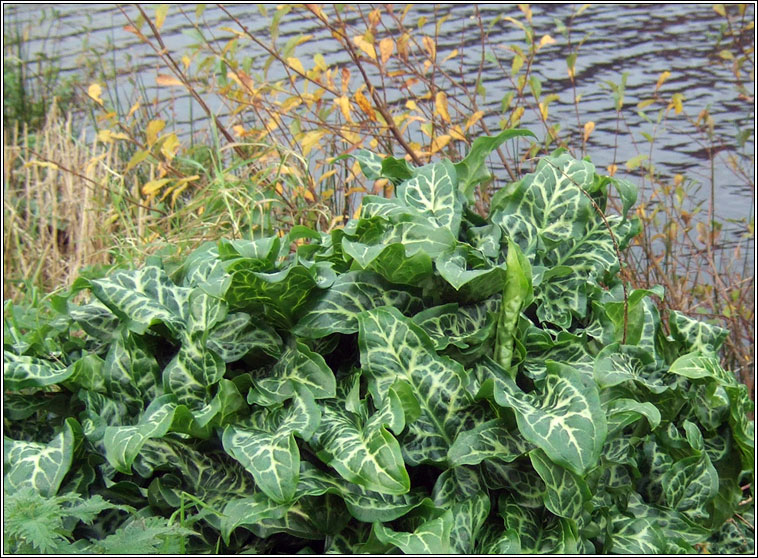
(424, 380)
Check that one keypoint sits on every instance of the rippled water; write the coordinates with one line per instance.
(641, 40)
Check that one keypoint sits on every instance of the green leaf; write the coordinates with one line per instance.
(491, 439)
(143, 298)
(21, 372)
(123, 443)
(566, 492)
(690, 484)
(40, 466)
(469, 273)
(394, 348)
(461, 326)
(565, 419)
(471, 170)
(433, 193)
(431, 537)
(192, 372)
(268, 449)
(366, 454)
(237, 335)
(298, 366)
(336, 309)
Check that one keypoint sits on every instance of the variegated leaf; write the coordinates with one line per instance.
(268, 449)
(280, 294)
(695, 335)
(40, 466)
(371, 163)
(130, 372)
(123, 443)
(433, 193)
(698, 365)
(564, 419)
(520, 480)
(459, 489)
(431, 537)
(469, 273)
(250, 511)
(144, 297)
(391, 261)
(690, 484)
(237, 335)
(21, 372)
(298, 366)
(566, 492)
(394, 348)
(366, 454)
(369, 506)
(337, 309)
(192, 372)
(95, 319)
(556, 226)
(638, 536)
(616, 364)
(491, 439)
(462, 326)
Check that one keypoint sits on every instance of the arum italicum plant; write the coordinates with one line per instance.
(422, 380)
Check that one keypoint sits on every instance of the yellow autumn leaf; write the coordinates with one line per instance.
(719, 9)
(320, 62)
(325, 176)
(411, 105)
(644, 104)
(170, 146)
(386, 48)
(154, 127)
(151, 187)
(166, 80)
(132, 110)
(94, 91)
(295, 64)
(451, 55)
(290, 103)
(612, 168)
(676, 102)
(311, 139)
(344, 103)
(457, 133)
(440, 106)
(663, 77)
(136, 159)
(473, 119)
(160, 15)
(430, 46)
(439, 142)
(546, 40)
(108, 136)
(402, 45)
(516, 116)
(365, 105)
(365, 46)
(544, 109)
(588, 127)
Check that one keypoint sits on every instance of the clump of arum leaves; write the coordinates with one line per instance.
(423, 380)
